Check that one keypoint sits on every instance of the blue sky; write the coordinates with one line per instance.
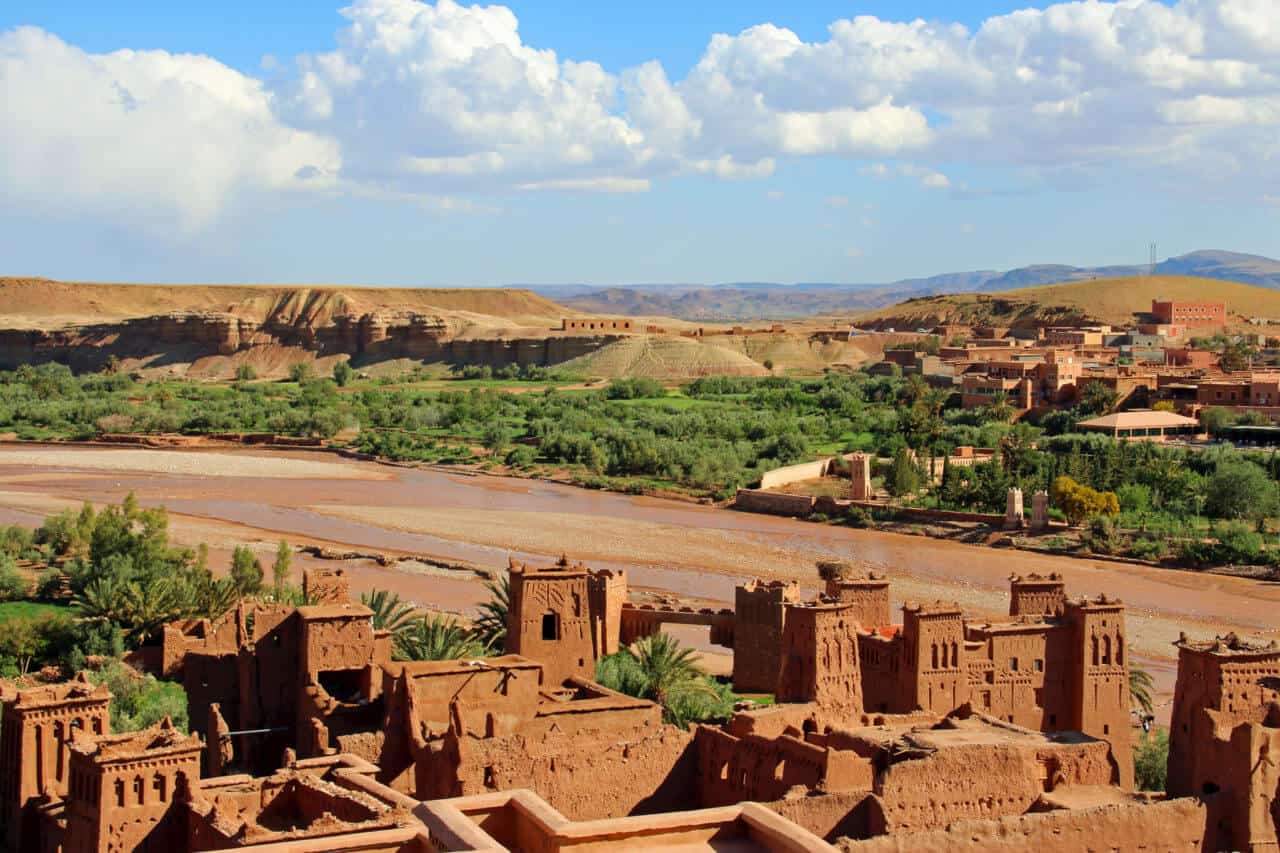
(404, 143)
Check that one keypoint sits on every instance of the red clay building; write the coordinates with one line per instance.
(1189, 313)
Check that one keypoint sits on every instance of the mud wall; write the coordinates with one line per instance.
(1173, 825)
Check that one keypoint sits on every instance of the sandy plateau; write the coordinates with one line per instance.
(226, 498)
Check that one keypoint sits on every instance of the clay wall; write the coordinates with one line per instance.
(866, 593)
(732, 769)
(779, 477)
(595, 324)
(496, 699)
(999, 780)
(773, 503)
(325, 586)
(589, 766)
(759, 614)
(1137, 827)
(880, 658)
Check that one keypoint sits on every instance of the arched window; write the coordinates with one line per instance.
(1106, 650)
(1119, 650)
(1095, 651)
(161, 784)
(140, 790)
(120, 792)
(955, 653)
(935, 655)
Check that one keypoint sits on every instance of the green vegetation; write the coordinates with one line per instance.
(1141, 688)
(438, 637)
(658, 668)
(708, 438)
(1151, 760)
(139, 701)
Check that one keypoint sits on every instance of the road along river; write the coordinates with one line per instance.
(230, 497)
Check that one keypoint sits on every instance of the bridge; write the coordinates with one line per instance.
(643, 620)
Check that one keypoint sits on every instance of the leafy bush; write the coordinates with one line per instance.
(12, 584)
(1151, 761)
(139, 701)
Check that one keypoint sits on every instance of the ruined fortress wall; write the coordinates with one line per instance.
(732, 769)
(585, 771)
(1173, 825)
(1000, 780)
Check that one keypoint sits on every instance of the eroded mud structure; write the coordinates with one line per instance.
(936, 732)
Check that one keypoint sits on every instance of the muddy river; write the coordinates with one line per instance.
(227, 497)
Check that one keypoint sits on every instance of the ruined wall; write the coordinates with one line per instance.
(1139, 827)
(732, 769)
(588, 766)
(773, 503)
(999, 780)
(831, 815)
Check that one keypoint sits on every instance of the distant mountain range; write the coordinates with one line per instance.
(769, 300)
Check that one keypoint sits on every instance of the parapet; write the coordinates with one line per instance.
(325, 586)
(934, 609)
(47, 696)
(1228, 646)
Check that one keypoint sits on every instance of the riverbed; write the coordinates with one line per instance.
(256, 497)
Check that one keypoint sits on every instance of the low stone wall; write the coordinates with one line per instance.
(1124, 828)
(911, 513)
(773, 503)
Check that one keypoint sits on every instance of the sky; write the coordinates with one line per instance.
(400, 142)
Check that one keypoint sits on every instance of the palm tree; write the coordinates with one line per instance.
(670, 670)
(389, 612)
(1141, 686)
(437, 637)
(103, 599)
(490, 627)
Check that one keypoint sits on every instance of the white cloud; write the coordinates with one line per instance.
(441, 101)
(147, 138)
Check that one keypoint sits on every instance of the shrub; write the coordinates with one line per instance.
(521, 456)
(300, 371)
(12, 584)
(1151, 761)
(49, 585)
(246, 373)
(856, 516)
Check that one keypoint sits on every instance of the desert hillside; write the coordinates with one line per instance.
(1105, 300)
(45, 304)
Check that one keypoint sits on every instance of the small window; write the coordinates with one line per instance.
(550, 626)
(1013, 664)
(1039, 665)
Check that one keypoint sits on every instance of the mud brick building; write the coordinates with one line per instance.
(938, 733)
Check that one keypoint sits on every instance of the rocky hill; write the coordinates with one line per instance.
(213, 329)
(1109, 300)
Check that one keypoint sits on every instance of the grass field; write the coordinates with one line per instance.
(31, 610)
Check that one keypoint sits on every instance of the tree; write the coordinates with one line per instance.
(1078, 502)
(246, 373)
(12, 584)
(1240, 489)
(299, 371)
(768, 364)
(1141, 686)
(139, 701)
(22, 641)
(342, 373)
(490, 627)
(658, 668)
(1237, 356)
(904, 474)
(1215, 420)
(280, 567)
(246, 571)
(1096, 398)
(437, 637)
(389, 612)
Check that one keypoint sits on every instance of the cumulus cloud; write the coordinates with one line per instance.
(438, 100)
(149, 137)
